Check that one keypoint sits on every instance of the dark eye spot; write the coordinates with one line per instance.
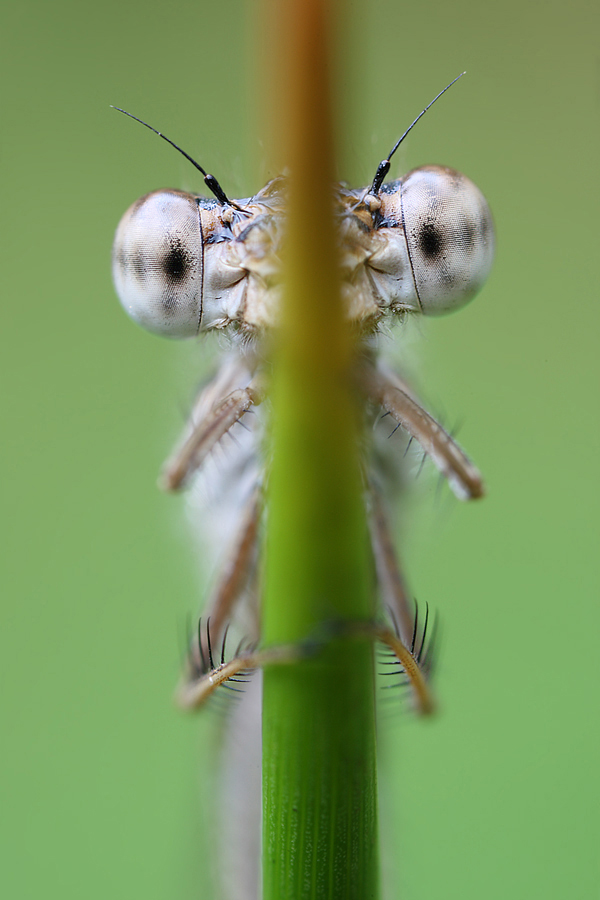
(130, 262)
(466, 236)
(175, 262)
(430, 241)
(484, 227)
(138, 265)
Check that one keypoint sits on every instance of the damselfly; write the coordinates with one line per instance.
(185, 265)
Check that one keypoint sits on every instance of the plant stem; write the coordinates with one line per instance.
(319, 776)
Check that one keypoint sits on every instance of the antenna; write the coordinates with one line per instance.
(211, 182)
(384, 166)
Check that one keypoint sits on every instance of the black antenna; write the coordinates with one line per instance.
(384, 166)
(211, 182)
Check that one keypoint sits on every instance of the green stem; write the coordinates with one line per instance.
(319, 775)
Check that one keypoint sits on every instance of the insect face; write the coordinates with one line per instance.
(184, 264)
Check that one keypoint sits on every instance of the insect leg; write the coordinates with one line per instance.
(192, 694)
(206, 428)
(389, 574)
(236, 574)
(390, 392)
(410, 663)
(238, 569)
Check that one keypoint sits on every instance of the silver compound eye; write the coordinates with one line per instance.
(450, 237)
(157, 263)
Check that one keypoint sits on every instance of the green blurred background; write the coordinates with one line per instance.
(102, 780)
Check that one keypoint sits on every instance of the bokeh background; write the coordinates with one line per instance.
(102, 779)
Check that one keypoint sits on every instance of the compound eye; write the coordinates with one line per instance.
(450, 236)
(157, 263)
